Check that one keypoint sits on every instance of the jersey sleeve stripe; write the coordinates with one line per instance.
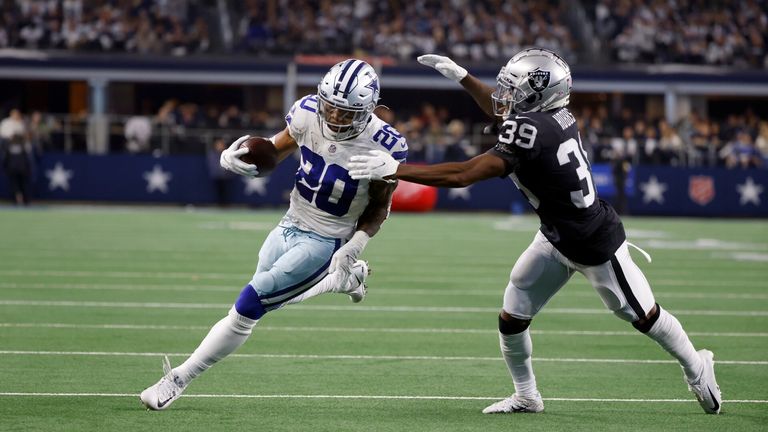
(400, 155)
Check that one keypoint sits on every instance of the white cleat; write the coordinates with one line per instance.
(357, 288)
(161, 395)
(517, 404)
(705, 389)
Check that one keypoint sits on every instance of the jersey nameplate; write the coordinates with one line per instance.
(564, 118)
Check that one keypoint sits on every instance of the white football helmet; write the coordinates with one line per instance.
(346, 97)
(533, 80)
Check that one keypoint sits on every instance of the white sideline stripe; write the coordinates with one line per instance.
(378, 397)
(363, 330)
(370, 357)
(153, 305)
(382, 291)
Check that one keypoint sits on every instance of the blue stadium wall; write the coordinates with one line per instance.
(185, 180)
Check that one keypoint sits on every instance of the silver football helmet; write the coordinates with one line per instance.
(533, 80)
(346, 97)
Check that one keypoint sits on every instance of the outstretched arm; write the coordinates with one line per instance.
(378, 165)
(453, 174)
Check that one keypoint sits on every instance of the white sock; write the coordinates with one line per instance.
(517, 350)
(668, 333)
(330, 283)
(222, 340)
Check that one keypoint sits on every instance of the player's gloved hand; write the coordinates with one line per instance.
(346, 256)
(376, 165)
(444, 65)
(230, 159)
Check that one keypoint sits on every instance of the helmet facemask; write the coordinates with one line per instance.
(509, 99)
(502, 99)
(339, 123)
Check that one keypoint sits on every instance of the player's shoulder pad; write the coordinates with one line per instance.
(385, 137)
(302, 112)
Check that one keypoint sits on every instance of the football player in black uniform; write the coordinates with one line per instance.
(540, 149)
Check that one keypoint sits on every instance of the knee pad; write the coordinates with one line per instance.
(513, 326)
(248, 305)
(645, 325)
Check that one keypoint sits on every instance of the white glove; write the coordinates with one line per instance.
(230, 159)
(346, 256)
(444, 65)
(376, 165)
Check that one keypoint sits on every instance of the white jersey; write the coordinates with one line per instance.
(325, 199)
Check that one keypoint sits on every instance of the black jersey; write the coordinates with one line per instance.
(547, 162)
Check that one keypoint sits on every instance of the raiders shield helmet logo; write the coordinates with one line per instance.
(538, 80)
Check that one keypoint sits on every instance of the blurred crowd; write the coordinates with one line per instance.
(727, 33)
(634, 31)
(135, 26)
(185, 127)
(738, 141)
(465, 29)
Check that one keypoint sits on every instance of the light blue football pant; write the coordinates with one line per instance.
(291, 261)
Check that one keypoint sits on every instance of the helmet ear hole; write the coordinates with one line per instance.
(531, 99)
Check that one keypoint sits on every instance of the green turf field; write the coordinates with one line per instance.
(91, 298)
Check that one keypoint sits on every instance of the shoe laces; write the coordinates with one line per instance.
(168, 386)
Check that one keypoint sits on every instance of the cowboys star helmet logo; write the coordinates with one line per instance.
(538, 80)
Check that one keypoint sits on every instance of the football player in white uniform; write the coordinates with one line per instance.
(328, 224)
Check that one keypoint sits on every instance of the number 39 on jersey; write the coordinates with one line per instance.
(523, 135)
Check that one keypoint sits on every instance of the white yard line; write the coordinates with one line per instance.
(369, 357)
(363, 330)
(385, 290)
(349, 309)
(123, 274)
(375, 397)
(740, 278)
(121, 287)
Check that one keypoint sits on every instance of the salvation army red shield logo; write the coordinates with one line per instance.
(701, 189)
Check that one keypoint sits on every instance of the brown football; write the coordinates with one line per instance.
(262, 153)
